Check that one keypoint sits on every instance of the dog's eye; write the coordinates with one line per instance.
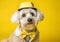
(32, 14)
(23, 15)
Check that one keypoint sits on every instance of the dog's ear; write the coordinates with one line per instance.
(40, 16)
(15, 18)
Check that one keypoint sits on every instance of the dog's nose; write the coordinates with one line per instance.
(29, 20)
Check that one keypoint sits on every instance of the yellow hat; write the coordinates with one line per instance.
(26, 4)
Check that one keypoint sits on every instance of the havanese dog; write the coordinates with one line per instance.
(28, 17)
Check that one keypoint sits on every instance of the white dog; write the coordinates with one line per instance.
(28, 17)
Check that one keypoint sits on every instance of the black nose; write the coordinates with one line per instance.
(29, 20)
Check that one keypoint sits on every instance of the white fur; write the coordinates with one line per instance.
(17, 17)
(17, 31)
(14, 18)
(40, 16)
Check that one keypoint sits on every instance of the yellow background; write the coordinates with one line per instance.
(49, 28)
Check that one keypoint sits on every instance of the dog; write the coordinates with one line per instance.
(28, 17)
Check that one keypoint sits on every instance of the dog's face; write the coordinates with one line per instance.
(28, 18)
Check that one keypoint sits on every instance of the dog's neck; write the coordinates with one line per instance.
(33, 30)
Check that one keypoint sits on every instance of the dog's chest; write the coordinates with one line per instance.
(27, 38)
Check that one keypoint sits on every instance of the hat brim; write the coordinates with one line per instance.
(27, 8)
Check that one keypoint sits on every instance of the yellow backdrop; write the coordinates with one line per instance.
(49, 27)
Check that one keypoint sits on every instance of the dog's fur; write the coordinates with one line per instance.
(32, 13)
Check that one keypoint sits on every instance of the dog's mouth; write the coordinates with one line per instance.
(29, 23)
